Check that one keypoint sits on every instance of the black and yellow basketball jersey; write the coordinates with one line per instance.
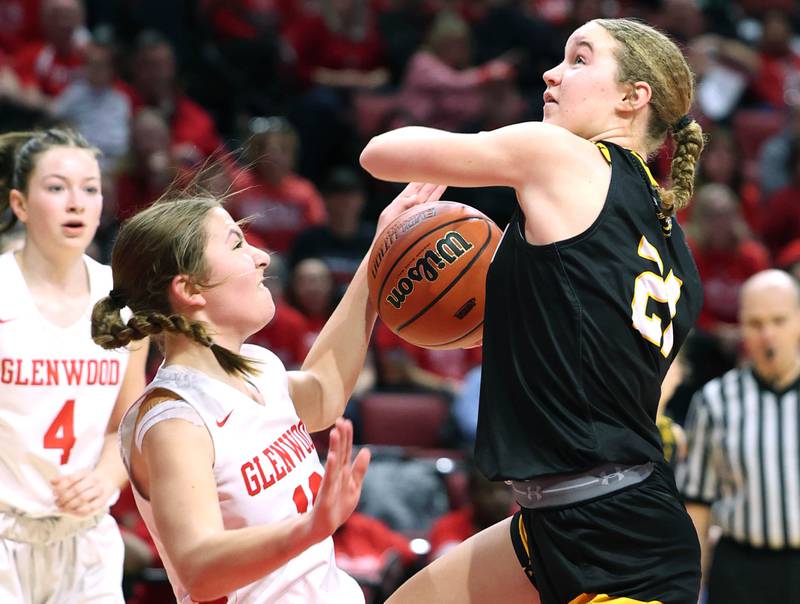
(578, 335)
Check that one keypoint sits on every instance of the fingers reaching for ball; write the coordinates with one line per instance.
(414, 194)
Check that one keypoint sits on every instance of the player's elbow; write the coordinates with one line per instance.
(201, 586)
(193, 568)
(384, 159)
(202, 594)
(370, 156)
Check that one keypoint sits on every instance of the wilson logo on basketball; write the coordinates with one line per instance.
(448, 249)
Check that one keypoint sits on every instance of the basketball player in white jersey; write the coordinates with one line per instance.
(61, 395)
(218, 449)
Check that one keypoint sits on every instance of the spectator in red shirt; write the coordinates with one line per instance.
(723, 164)
(339, 53)
(248, 19)
(194, 134)
(726, 255)
(773, 69)
(375, 555)
(252, 55)
(149, 167)
(340, 47)
(20, 23)
(789, 259)
(488, 503)
(279, 202)
(420, 368)
(782, 212)
(48, 65)
(778, 79)
(343, 241)
(441, 88)
(312, 292)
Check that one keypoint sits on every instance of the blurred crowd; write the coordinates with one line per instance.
(269, 102)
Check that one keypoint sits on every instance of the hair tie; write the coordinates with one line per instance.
(682, 123)
(117, 297)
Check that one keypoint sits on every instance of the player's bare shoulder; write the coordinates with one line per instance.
(564, 189)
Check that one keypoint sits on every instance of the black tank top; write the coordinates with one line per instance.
(578, 335)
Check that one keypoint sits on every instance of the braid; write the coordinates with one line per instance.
(109, 331)
(231, 362)
(193, 330)
(689, 144)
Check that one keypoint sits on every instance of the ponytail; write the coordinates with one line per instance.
(689, 144)
(9, 144)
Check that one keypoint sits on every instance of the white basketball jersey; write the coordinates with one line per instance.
(57, 391)
(266, 470)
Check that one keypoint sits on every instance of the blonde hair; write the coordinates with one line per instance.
(645, 54)
(157, 244)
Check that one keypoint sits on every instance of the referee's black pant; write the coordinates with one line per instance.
(745, 575)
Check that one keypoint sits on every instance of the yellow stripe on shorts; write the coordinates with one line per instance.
(523, 534)
(605, 598)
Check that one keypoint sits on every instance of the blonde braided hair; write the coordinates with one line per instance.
(646, 54)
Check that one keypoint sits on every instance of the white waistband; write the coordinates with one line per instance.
(18, 526)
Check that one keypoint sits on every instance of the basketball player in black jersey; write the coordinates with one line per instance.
(589, 297)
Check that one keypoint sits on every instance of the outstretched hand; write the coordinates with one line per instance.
(414, 194)
(341, 486)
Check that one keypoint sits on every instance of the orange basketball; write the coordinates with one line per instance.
(427, 274)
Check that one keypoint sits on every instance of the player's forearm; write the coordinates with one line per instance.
(339, 352)
(110, 463)
(229, 560)
(388, 157)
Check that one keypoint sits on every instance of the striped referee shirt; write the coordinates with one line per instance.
(744, 459)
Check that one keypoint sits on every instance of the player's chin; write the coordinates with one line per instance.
(266, 314)
(80, 241)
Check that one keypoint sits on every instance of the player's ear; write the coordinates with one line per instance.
(18, 204)
(636, 96)
(184, 295)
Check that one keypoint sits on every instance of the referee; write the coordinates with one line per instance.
(743, 465)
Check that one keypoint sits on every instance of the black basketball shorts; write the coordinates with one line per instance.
(635, 545)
